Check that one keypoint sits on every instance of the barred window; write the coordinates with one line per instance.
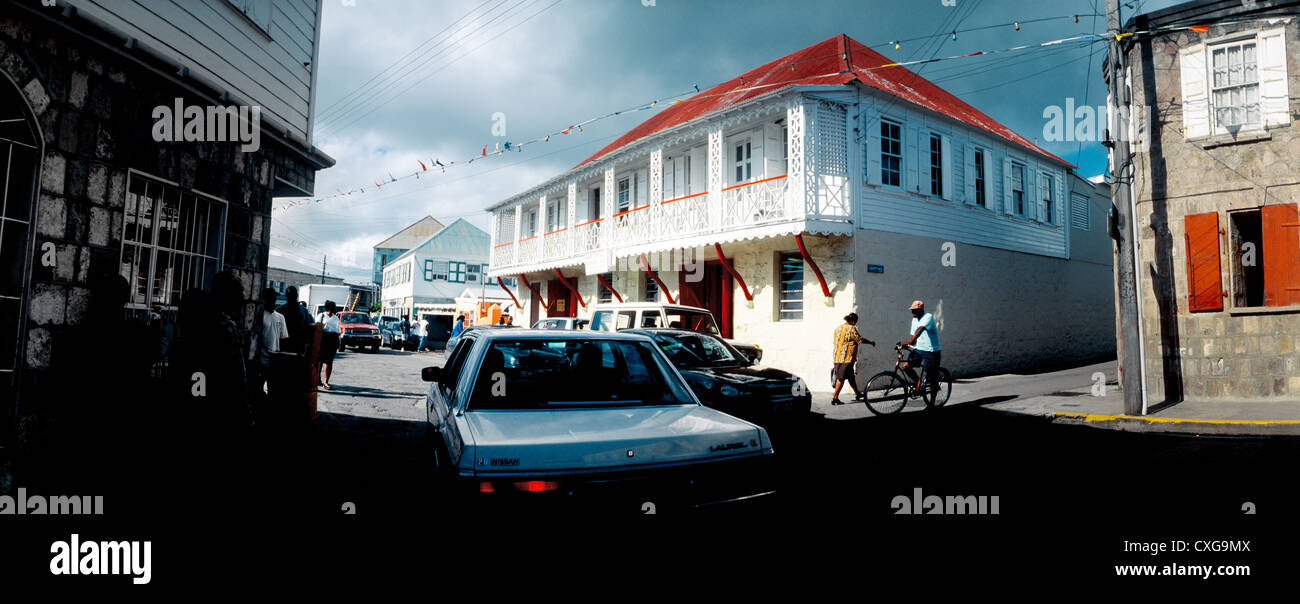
(891, 153)
(651, 290)
(790, 279)
(936, 165)
(603, 295)
(172, 240)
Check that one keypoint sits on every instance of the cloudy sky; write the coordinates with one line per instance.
(408, 80)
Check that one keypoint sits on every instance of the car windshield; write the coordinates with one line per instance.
(699, 350)
(354, 317)
(692, 320)
(539, 373)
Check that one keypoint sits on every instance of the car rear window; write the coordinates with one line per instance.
(543, 374)
(691, 320)
(354, 317)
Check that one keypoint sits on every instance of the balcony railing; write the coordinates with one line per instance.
(758, 203)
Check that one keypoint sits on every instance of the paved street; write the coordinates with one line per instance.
(843, 457)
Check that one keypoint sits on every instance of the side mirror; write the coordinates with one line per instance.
(431, 374)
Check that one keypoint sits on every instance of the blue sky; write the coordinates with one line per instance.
(543, 64)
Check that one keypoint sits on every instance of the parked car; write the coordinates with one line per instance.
(649, 315)
(358, 332)
(723, 378)
(561, 323)
(452, 341)
(391, 336)
(579, 416)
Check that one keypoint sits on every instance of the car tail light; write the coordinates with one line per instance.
(486, 487)
(537, 486)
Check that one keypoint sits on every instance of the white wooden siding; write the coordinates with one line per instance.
(914, 211)
(220, 47)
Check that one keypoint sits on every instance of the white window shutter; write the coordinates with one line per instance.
(1196, 97)
(945, 156)
(912, 160)
(1009, 203)
(873, 151)
(970, 173)
(642, 188)
(1275, 105)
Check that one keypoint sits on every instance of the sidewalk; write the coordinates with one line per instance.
(1066, 397)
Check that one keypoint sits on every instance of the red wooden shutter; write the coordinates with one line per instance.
(1204, 284)
(1280, 253)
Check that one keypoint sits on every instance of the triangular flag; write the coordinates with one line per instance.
(1200, 29)
(566, 130)
(390, 177)
(484, 151)
(422, 166)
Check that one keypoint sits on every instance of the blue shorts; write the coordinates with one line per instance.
(929, 360)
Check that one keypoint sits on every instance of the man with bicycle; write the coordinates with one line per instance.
(925, 340)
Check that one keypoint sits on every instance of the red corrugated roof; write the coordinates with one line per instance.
(834, 61)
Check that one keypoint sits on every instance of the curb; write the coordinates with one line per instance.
(1170, 425)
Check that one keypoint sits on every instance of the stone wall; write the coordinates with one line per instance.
(93, 108)
(1232, 354)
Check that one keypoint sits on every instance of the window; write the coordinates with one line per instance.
(171, 241)
(428, 270)
(651, 289)
(981, 185)
(790, 279)
(593, 204)
(257, 11)
(440, 268)
(472, 273)
(1265, 256)
(686, 175)
(625, 319)
(744, 163)
(530, 222)
(1235, 85)
(1080, 216)
(936, 165)
(603, 295)
(891, 154)
(1018, 188)
(1046, 185)
(624, 194)
(456, 272)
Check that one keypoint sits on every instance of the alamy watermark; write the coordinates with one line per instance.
(1084, 123)
(213, 123)
(936, 504)
(54, 505)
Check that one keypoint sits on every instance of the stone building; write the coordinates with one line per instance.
(103, 179)
(822, 183)
(1216, 192)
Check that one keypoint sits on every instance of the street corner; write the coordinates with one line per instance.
(1181, 426)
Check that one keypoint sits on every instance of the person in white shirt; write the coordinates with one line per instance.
(332, 327)
(422, 330)
(273, 329)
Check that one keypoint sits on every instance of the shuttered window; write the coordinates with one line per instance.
(1280, 254)
(1204, 284)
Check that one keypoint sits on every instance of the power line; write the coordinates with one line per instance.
(331, 107)
(448, 64)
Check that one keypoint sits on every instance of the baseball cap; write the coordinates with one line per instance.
(916, 304)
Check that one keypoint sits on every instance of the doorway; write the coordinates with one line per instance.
(562, 302)
(714, 291)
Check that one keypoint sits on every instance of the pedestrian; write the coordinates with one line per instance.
(510, 320)
(422, 331)
(459, 328)
(329, 340)
(925, 339)
(274, 332)
(296, 321)
(846, 356)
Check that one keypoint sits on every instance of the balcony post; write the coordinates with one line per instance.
(656, 190)
(800, 165)
(715, 161)
(570, 217)
(519, 221)
(607, 209)
(492, 248)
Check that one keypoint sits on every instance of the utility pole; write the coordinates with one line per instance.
(323, 258)
(1130, 318)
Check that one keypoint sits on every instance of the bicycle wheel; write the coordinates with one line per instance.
(938, 390)
(886, 393)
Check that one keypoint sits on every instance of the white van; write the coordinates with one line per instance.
(651, 315)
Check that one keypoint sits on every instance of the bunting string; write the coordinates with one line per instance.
(501, 148)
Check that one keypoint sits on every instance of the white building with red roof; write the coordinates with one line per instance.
(825, 182)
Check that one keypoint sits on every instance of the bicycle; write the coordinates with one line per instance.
(888, 392)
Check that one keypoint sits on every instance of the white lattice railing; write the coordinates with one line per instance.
(557, 243)
(529, 250)
(756, 202)
(503, 254)
(586, 236)
(683, 216)
(633, 226)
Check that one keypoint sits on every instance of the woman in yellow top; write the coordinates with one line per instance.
(846, 355)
